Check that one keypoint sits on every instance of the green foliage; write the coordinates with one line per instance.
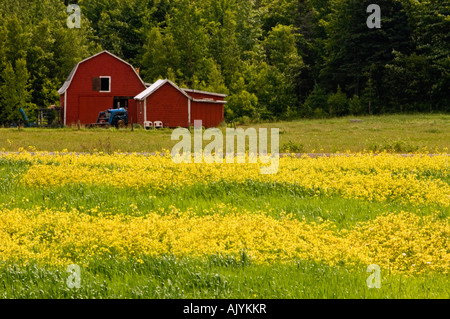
(400, 67)
(337, 103)
(215, 81)
(319, 113)
(316, 102)
(291, 147)
(397, 145)
(241, 103)
(413, 74)
(354, 105)
(369, 100)
(15, 91)
(431, 22)
(281, 49)
(158, 54)
(278, 12)
(186, 25)
(8, 91)
(37, 52)
(120, 26)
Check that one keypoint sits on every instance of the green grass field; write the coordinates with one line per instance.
(168, 276)
(217, 277)
(394, 133)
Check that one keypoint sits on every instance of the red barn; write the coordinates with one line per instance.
(98, 83)
(105, 81)
(164, 101)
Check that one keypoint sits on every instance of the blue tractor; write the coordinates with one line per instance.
(26, 122)
(112, 117)
(25, 118)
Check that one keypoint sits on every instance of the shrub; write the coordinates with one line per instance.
(398, 146)
(319, 113)
(354, 105)
(244, 120)
(337, 103)
(291, 147)
(317, 99)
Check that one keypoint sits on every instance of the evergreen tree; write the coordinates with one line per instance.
(432, 40)
(316, 102)
(353, 48)
(15, 92)
(354, 105)
(186, 25)
(156, 58)
(16, 41)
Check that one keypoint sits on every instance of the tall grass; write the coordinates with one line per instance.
(214, 277)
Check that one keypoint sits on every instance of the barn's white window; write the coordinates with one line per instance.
(105, 84)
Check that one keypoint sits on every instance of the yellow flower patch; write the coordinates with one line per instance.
(402, 243)
(415, 179)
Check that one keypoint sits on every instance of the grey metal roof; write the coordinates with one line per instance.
(69, 79)
(155, 86)
(203, 92)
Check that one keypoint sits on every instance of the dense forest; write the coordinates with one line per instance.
(276, 59)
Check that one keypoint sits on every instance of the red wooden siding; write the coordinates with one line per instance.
(61, 100)
(168, 105)
(90, 106)
(211, 114)
(140, 112)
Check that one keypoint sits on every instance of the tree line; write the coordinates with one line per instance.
(276, 59)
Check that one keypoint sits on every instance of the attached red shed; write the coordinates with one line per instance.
(164, 101)
(206, 106)
(98, 83)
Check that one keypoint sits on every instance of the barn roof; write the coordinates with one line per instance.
(155, 86)
(66, 84)
(69, 79)
(209, 101)
(203, 92)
